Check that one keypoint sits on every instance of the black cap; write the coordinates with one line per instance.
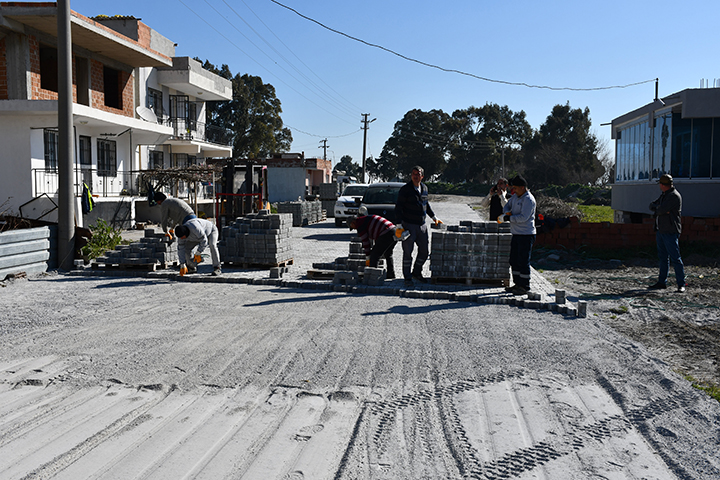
(518, 181)
(665, 179)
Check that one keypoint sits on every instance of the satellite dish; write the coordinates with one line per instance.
(146, 114)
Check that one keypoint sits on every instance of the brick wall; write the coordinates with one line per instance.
(97, 88)
(3, 71)
(618, 235)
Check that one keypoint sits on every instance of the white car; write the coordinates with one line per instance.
(347, 204)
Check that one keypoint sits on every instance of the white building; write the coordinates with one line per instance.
(135, 107)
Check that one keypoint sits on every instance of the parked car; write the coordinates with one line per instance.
(380, 199)
(347, 204)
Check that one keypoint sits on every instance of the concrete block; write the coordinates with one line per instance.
(582, 309)
(559, 296)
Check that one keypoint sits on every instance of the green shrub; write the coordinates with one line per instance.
(105, 237)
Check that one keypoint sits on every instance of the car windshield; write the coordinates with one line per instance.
(381, 195)
(354, 190)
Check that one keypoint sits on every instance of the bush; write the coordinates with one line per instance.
(105, 237)
(553, 207)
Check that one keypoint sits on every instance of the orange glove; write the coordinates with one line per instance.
(183, 270)
(437, 221)
(367, 262)
(197, 258)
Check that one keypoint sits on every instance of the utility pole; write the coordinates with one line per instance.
(324, 147)
(365, 129)
(66, 197)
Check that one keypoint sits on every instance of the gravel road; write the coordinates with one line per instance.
(145, 377)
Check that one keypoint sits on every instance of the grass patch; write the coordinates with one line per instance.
(710, 389)
(596, 213)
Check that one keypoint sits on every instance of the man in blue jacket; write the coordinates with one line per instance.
(520, 212)
(411, 210)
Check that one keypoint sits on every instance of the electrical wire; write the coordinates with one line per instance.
(323, 136)
(460, 72)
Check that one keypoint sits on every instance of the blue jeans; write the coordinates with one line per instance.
(669, 252)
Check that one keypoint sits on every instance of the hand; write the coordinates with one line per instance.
(437, 221)
(367, 262)
(183, 270)
(197, 258)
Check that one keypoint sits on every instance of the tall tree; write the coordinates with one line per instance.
(564, 150)
(420, 138)
(253, 116)
(348, 167)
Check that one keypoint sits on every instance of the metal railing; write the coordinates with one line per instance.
(192, 130)
(46, 181)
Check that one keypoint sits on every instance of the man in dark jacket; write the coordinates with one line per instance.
(667, 210)
(411, 209)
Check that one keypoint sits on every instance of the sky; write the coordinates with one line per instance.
(326, 80)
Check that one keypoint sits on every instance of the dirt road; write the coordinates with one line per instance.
(139, 378)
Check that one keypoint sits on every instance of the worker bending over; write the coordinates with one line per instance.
(173, 211)
(378, 230)
(200, 233)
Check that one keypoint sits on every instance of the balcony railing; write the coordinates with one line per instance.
(46, 181)
(191, 130)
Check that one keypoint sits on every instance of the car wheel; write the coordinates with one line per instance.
(339, 222)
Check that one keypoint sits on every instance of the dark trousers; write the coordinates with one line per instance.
(669, 252)
(520, 251)
(383, 247)
(418, 236)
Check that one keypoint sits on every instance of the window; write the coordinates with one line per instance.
(154, 102)
(107, 163)
(48, 68)
(111, 87)
(82, 79)
(51, 138)
(716, 149)
(662, 148)
(156, 160)
(84, 151)
(701, 133)
(681, 141)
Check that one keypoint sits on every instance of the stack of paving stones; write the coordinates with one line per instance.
(152, 250)
(328, 197)
(258, 239)
(471, 251)
(303, 213)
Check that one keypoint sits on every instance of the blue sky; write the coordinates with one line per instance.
(325, 81)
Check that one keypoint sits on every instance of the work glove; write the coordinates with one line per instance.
(437, 221)
(401, 234)
(367, 261)
(503, 218)
(197, 258)
(183, 270)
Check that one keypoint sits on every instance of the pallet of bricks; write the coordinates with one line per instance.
(258, 240)
(351, 270)
(328, 197)
(153, 251)
(303, 213)
(472, 252)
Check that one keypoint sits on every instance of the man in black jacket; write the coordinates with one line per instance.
(411, 209)
(667, 210)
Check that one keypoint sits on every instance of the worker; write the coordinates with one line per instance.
(380, 233)
(173, 211)
(200, 233)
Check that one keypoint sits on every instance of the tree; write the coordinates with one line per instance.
(253, 116)
(420, 138)
(348, 167)
(563, 150)
(482, 134)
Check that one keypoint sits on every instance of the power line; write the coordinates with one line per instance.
(323, 136)
(460, 72)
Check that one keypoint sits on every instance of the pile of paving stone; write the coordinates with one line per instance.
(258, 239)
(328, 197)
(303, 213)
(150, 251)
(471, 251)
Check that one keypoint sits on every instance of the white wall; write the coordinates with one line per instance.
(16, 180)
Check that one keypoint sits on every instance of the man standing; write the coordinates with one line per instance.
(173, 211)
(374, 228)
(496, 199)
(200, 233)
(411, 209)
(667, 210)
(520, 212)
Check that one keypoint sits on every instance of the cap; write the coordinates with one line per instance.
(665, 179)
(518, 181)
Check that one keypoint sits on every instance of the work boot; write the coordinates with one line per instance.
(408, 282)
(419, 278)
(681, 289)
(519, 290)
(192, 269)
(657, 286)
(390, 275)
(216, 272)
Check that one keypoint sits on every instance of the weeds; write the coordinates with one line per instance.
(105, 237)
(709, 388)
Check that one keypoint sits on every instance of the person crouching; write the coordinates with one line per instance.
(380, 231)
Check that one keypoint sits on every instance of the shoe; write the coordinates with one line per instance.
(216, 272)
(681, 289)
(419, 278)
(192, 269)
(657, 286)
(390, 276)
(509, 289)
(518, 290)
(408, 283)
